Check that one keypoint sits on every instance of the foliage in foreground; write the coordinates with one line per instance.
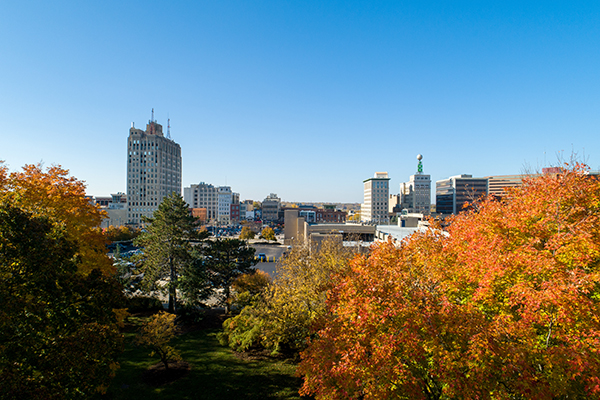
(58, 331)
(279, 318)
(54, 194)
(506, 306)
(215, 373)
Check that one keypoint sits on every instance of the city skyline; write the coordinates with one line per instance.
(305, 100)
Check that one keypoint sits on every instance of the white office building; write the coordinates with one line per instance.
(376, 199)
(224, 204)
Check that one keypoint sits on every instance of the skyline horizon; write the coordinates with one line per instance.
(305, 100)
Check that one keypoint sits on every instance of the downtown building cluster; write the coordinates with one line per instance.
(154, 171)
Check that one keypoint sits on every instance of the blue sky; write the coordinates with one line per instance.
(305, 99)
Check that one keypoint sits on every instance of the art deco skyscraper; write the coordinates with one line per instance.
(153, 170)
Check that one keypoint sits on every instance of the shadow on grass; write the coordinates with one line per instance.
(216, 373)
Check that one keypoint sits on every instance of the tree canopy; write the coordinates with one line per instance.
(58, 330)
(54, 194)
(506, 305)
(281, 316)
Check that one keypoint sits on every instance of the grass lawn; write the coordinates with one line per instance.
(216, 373)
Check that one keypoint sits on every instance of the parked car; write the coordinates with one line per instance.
(262, 257)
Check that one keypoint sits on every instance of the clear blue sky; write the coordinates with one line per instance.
(305, 99)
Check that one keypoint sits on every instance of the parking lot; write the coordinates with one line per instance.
(273, 253)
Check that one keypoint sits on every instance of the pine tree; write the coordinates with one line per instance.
(168, 252)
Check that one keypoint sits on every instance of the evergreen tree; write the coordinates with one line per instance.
(225, 260)
(168, 253)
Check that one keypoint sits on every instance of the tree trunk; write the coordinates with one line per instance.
(172, 291)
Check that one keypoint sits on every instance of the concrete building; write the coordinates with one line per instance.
(374, 209)
(224, 197)
(153, 170)
(203, 195)
(496, 185)
(451, 194)
(116, 208)
(270, 208)
(415, 195)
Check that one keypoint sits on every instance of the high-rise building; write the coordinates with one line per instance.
(153, 170)
(376, 199)
(415, 195)
(224, 204)
(451, 194)
(203, 195)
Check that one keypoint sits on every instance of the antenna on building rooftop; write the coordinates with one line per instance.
(152, 119)
(168, 128)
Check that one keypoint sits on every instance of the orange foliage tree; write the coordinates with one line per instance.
(505, 305)
(60, 197)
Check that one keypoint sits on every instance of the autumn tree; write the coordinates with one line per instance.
(282, 316)
(225, 260)
(168, 252)
(268, 233)
(247, 233)
(60, 197)
(156, 334)
(58, 328)
(121, 233)
(247, 286)
(504, 305)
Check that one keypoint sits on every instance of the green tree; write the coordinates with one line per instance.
(156, 334)
(268, 233)
(168, 252)
(225, 260)
(58, 328)
(247, 233)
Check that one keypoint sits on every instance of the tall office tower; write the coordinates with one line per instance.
(415, 195)
(153, 170)
(203, 195)
(451, 194)
(224, 204)
(376, 199)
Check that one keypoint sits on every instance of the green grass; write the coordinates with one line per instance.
(216, 373)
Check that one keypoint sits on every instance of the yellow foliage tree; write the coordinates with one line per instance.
(268, 233)
(247, 233)
(156, 334)
(56, 195)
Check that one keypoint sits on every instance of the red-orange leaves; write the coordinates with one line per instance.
(505, 306)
